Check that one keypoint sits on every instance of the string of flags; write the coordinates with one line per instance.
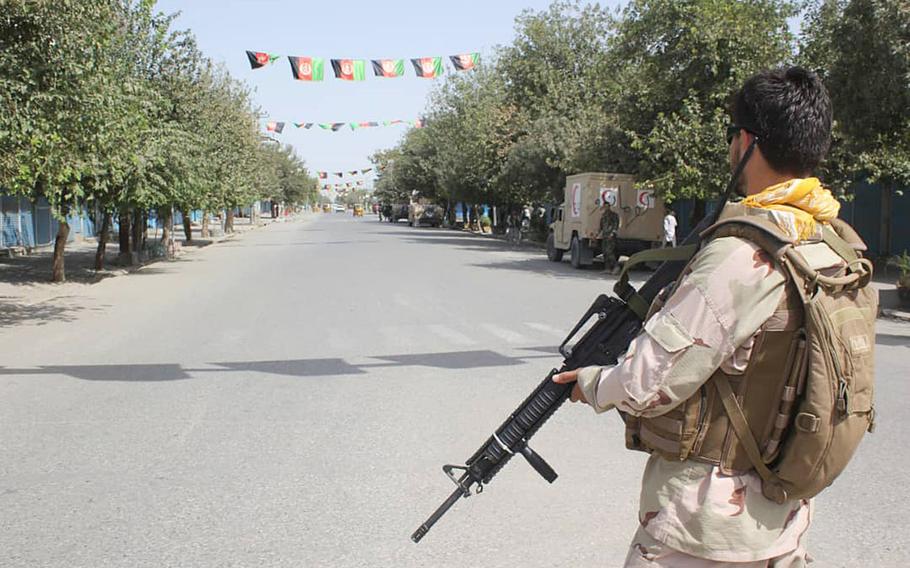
(278, 127)
(313, 68)
(360, 172)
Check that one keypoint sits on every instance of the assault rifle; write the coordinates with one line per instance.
(610, 327)
(611, 324)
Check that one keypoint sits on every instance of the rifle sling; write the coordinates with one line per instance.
(624, 290)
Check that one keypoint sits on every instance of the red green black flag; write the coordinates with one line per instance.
(428, 67)
(365, 170)
(352, 172)
(275, 127)
(323, 175)
(339, 174)
(465, 61)
(336, 126)
(349, 69)
(307, 68)
(388, 67)
(260, 58)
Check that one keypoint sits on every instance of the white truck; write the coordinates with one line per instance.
(577, 224)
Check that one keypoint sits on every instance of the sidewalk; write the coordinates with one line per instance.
(25, 280)
(885, 280)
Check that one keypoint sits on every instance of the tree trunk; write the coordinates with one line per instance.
(229, 221)
(204, 232)
(137, 233)
(124, 237)
(63, 231)
(167, 225)
(145, 230)
(187, 226)
(102, 240)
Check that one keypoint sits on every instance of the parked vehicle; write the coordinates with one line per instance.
(424, 214)
(577, 226)
(338, 208)
(358, 211)
(326, 207)
(396, 212)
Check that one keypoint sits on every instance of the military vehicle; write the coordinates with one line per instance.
(421, 213)
(395, 212)
(577, 224)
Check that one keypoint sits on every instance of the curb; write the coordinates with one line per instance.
(897, 315)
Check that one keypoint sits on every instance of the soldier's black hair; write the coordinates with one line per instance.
(789, 110)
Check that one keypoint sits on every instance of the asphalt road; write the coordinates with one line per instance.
(289, 398)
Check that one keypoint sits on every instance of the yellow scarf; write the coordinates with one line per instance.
(805, 199)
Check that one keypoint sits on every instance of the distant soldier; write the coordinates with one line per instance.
(609, 227)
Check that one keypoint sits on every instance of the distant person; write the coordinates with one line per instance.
(669, 228)
(609, 227)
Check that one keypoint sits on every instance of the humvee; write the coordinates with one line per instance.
(577, 228)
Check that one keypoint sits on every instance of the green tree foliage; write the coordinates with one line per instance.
(107, 107)
(580, 88)
(862, 50)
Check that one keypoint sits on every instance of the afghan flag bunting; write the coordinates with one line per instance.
(365, 170)
(306, 125)
(339, 174)
(275, 127)
(349, 69)
(307, 68)
(381, 168)
(419, 123)
(336, 126)
(323, 175)
(388, 67)
(352, 172)
(360, 182)
(260, 58)
(428, 67)
(465, 61)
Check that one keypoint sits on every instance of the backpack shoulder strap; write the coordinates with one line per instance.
(758, 230)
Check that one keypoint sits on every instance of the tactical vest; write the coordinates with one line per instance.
(766, 400)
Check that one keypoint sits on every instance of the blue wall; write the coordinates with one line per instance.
(28, 224)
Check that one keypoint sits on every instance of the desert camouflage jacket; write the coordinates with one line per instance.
(710, 322)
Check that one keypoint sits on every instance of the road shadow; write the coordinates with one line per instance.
(13, 312)
(304, 368)
(892, 340)
(556, 269)
(37, 267)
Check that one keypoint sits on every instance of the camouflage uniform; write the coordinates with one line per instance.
(609, 225)
(690, 513)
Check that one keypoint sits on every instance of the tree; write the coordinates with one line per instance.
(676, 64)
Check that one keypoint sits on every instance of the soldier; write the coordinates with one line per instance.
(698, 511)
(609, 226)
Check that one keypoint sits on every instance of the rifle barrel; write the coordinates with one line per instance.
(447, 504)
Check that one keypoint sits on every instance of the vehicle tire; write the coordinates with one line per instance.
(575, 253)
(553, 254)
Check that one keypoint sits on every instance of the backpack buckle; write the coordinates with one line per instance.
(807, 422)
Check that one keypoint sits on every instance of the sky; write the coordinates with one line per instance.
(339, 29)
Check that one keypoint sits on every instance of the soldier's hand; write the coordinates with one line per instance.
(571, 377)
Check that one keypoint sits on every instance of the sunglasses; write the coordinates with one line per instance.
(733, 129)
